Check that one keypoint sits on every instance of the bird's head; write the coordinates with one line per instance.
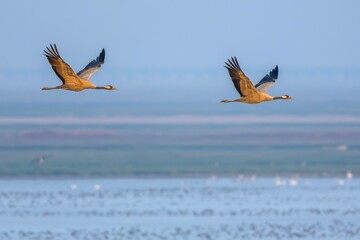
(109, 87)
(286, 97)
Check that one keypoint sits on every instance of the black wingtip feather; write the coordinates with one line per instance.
(102, 56)
(52, 48)
(237, 63)
(49, 53)
(57, 52)
(234, 61)
(228, 66)
(233, 64)
(52, 52)
(275, 72)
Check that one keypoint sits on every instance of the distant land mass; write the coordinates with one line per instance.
(175, 149)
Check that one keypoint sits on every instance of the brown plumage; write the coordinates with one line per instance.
(248, 92)
(72, 81)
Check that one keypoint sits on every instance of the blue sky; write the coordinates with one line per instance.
(182, 34)
(175, 50)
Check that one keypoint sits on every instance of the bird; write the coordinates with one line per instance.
(74, 81)
(41, 159)
(248, 92)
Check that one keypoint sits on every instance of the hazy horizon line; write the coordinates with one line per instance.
(182, 119)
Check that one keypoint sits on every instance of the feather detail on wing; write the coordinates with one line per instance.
(241, 82)
(268, 80)
(93, 66)
(60, 67)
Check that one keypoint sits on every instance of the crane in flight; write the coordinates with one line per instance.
(248, 92)
(70, 80)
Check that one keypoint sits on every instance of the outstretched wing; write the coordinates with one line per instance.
(241, 82)
(268, 80)
(93, 66)
(60, 67)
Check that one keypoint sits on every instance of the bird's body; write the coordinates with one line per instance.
(72, 81)
(83, 84)
(253, 99)
(248, 92)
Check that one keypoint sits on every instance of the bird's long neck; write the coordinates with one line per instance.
(227, 101)
(107, 87)
(235, 100)
(277, 98)
(51, 88)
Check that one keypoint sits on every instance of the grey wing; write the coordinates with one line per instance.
(268, 80)
(93, 66)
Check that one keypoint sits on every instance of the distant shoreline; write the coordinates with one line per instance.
(244, 177)
(181, 119)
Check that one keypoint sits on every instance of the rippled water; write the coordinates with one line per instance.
(197, 208)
